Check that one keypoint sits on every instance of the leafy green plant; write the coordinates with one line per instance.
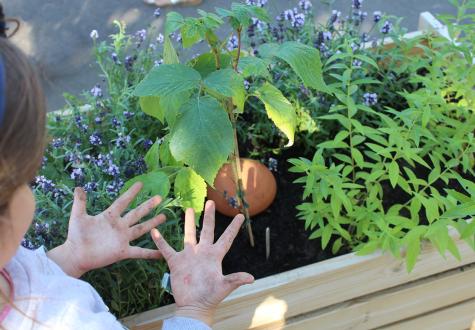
(201, 100)
(392, 177)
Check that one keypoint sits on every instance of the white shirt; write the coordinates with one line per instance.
(51, 299)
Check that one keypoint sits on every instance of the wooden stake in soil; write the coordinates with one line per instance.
(267, 243)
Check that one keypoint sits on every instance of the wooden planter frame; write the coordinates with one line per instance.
(353, 292)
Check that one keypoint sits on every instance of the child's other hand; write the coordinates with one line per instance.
(98, 241)
(197, 279)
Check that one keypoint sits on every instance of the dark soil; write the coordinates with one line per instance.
(290, 246)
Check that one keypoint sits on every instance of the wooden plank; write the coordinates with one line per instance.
(457, 317)
(389, 306)
(309, 288)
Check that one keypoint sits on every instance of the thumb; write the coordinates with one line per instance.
(235, 280)
(79, 203)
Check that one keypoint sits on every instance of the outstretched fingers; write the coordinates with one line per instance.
(207, 234)
(235, 280)
(121, 203)
(142, 210)
(167, 251)
(136, 252)
(226, 240)
(190, 227)
(144, 227)
(79, 203)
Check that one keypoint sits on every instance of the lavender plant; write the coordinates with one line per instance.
(100, 142)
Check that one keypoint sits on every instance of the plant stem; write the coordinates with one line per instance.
(236, 60)
(236, 165)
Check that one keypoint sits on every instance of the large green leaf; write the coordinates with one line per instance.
(168, 79)
(305, 61)
(241, 14)
(154, 183)
(253, 66)
(169, 54)
(174, 22)
(192, 31)
(206, 63)
(279, 109)
(191, 188)
(164, 108)
(152, 157)
(228, 83)
(202, 137)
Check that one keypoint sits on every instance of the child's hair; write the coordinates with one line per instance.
(22, 129)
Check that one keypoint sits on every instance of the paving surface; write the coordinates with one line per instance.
(55, 33)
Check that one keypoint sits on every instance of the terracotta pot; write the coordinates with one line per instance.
(259, 184)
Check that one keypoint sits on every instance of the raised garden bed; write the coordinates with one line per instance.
(348, 291)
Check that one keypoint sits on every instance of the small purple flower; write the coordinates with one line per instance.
(115, 58)
(128, 114)
(377, 15)
(58, 193)
(157, 63)
(44, 162)
(96, 91)
(357, 64)
(326, 36)
(27, 244)
(232, 43)
(114, 187)
(272, 164)
(299, 20)
(94, 34)
(95, 139)
(102, 160)
(41, 228)
(141, 35)
(90, 187)
(98, 120)
(147, 144)
(44, 184)
(157, 13)
(129, 62)
(305, 91)
(247, 85)
(77, 174)
(57, 143)
(334, 17)
(122, 141)
(387, 27)
(233, 202)
(112, 170)
(305, 5)
(178, 37)
(115, 122)
(370, 99)
(357, 4)
(78, 121)
(364, 37)
(258, 3)
(160, 38)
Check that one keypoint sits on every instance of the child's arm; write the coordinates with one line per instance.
(97, 241)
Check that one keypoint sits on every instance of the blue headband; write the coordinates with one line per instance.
(2, 91)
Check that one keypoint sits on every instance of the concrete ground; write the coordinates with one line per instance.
(55, 33)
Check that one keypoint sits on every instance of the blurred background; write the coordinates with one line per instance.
(56, 33)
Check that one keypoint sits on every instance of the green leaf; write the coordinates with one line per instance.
(337, 246)
(154, 183)
(163, 108)
(202, 137)
(191, 188)
(168, 79)
(368, 248)
(357, 156)
(461, 211)
(206, 63)
(228, 83)
(174, 22)
(326, 235)
(393, 169)
(254, 66)
(152, 157)
(268, 50)
(169, 54)
(413, 251)
(192, 31)
(151, 106)
(279, 110)
(306, 63)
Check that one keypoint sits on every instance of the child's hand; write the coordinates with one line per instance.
(197, 279)
(97, 241)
